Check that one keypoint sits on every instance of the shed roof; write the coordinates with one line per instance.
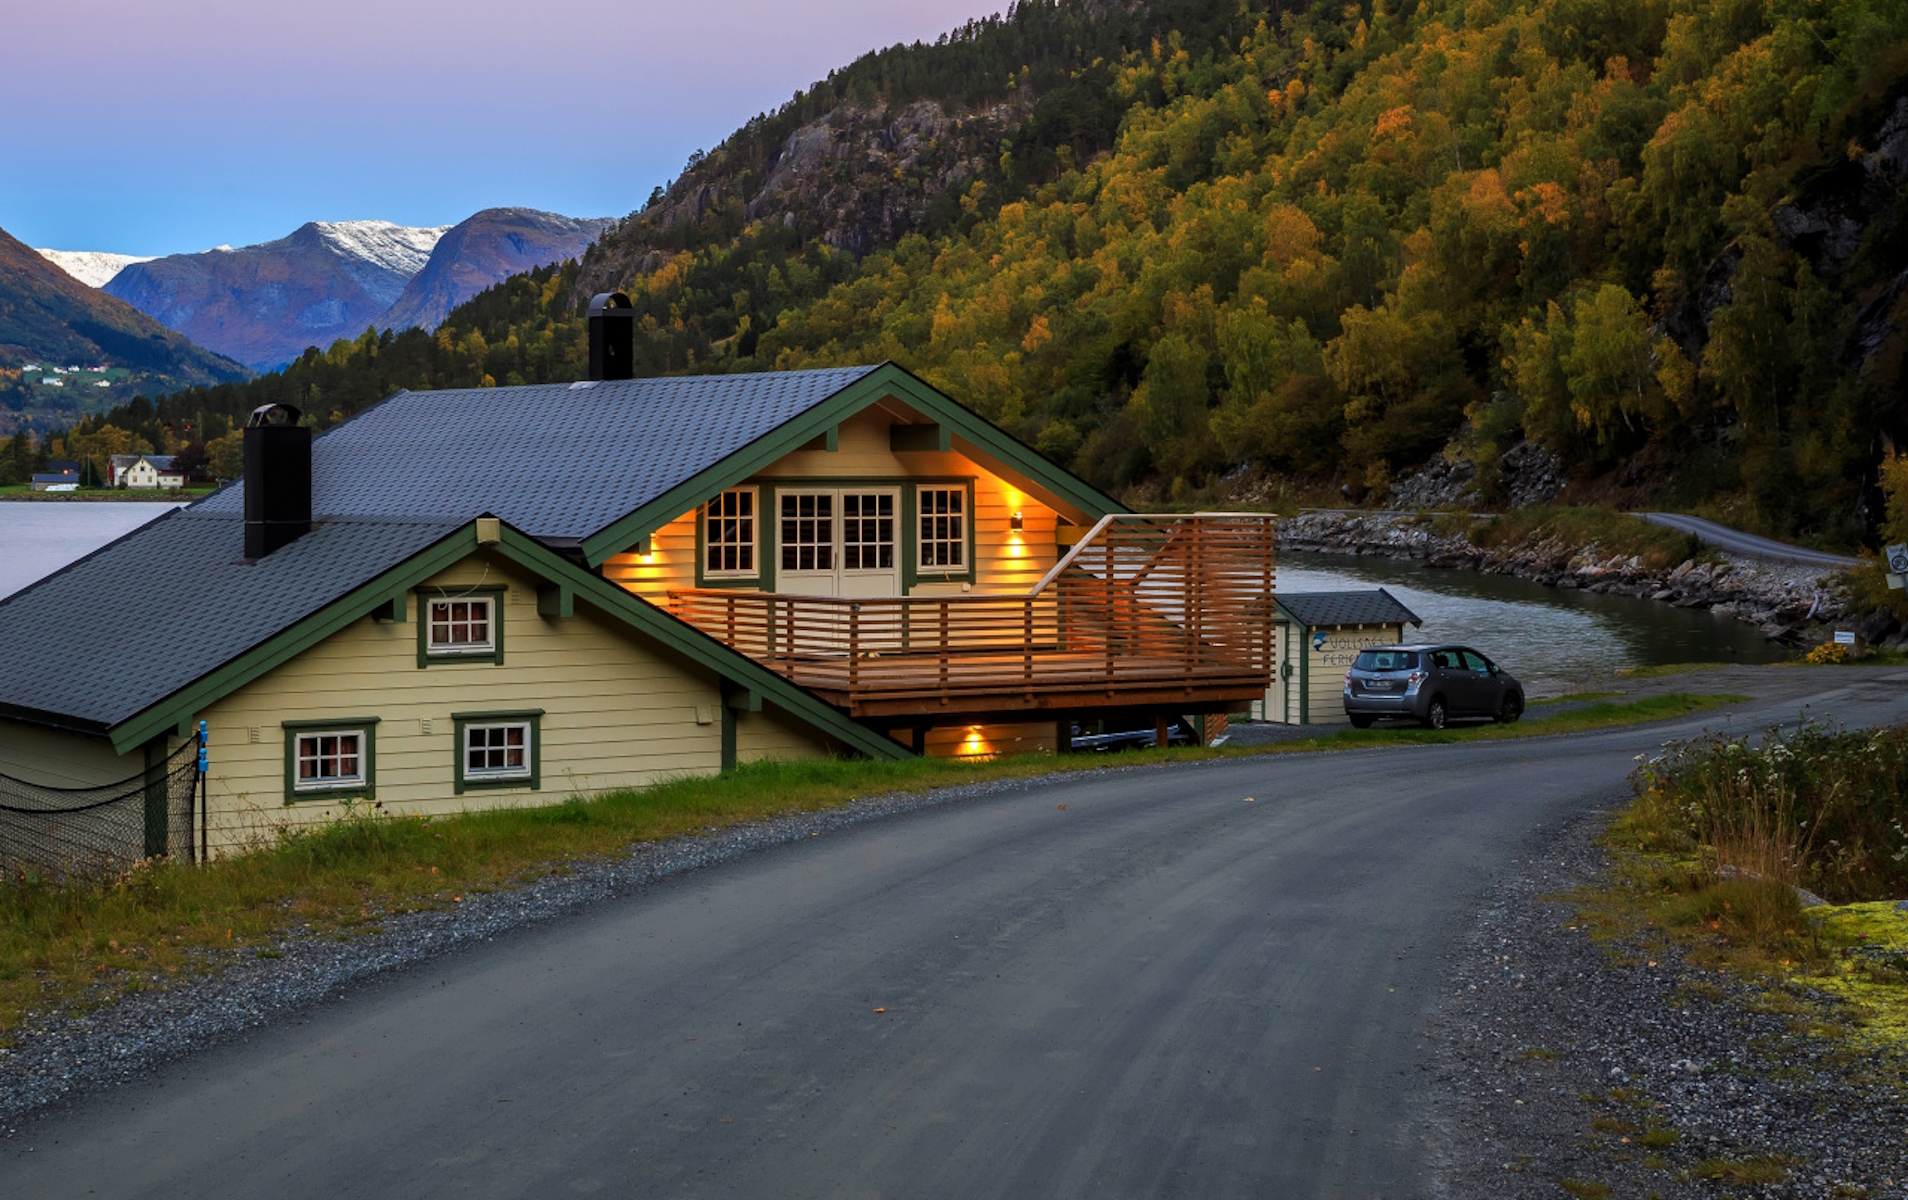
(558, 461)
(1373, 607)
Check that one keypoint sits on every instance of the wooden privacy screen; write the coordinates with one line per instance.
(1145, 609)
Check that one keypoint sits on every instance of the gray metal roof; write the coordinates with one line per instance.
(1374, 607)
(146, 615)
(558, 461)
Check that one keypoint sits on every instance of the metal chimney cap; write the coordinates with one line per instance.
(606, 302)
(273, 414)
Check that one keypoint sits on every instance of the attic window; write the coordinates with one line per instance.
(462, 626)
(729, 527)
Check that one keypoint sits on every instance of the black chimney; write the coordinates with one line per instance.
(612, 337)
(277, 479)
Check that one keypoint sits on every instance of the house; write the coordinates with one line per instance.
(1319, 634)
(55, 481)
(431, 608)
(145, 471)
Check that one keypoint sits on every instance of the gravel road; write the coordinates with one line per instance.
(1293, 976)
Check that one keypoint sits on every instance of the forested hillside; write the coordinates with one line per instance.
(1666, 240)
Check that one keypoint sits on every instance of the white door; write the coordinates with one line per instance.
(838, 542)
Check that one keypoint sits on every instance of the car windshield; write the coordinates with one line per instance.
(1387, 660)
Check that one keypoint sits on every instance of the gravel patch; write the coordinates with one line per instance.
(66, 1053)
(1548, 1054)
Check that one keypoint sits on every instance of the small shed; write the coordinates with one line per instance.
(1319, 634)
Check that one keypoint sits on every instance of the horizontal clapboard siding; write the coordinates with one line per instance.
(51, 758)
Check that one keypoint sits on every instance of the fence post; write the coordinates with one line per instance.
(154, 844)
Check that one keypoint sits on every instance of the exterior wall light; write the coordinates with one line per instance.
(1016, 523)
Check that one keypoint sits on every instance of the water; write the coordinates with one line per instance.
(37, 538)
(1537, 632)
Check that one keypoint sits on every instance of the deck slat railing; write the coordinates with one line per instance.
(1142, 601)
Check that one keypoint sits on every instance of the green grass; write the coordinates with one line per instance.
(1575, 698)
(1613, 533)
(80, 944)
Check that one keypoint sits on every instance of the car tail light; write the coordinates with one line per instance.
(1413, 680)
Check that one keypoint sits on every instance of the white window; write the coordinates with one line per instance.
(500, 751)
(328, 759)
(462, 626)
(729, 534)
(867, 531)
(943, 542)
(808, 531)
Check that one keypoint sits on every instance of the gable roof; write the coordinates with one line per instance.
(1373, 607)
(558, 461)
(601, 464)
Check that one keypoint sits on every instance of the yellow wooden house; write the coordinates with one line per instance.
(517, 595)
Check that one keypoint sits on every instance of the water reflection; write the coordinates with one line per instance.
(38, 537)
(1540, 633)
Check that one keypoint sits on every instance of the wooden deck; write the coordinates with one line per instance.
(1172, 613)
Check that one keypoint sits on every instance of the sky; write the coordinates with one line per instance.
(171, 126)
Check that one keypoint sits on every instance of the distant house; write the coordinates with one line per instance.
(145, 471)
(59, 383)
(55, 481)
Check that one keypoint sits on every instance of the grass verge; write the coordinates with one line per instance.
(86, 945)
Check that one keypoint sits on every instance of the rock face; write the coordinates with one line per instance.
(1528, 474)
(484, 250)
(263, 304)
(1785, 601)
(858, 179)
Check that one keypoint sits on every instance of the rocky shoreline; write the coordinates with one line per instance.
(1787, 602)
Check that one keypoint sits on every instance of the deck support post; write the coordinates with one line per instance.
(1161, 731)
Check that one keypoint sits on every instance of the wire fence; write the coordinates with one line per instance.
(101, 831)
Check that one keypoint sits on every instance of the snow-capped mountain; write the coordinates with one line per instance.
(264, 304)
(92, 267)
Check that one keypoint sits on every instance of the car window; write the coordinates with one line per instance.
(1386, 660)
(1473, 661)
(1444, 660)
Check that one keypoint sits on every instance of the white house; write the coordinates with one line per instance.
(145, 471)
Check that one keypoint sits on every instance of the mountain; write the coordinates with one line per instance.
(1177, 244)
(263, 304)
(92, 267)
(485, 249)
(48, 317)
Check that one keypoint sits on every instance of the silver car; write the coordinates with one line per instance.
(1429, 684)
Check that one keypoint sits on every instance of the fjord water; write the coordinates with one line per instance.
(37, 538)
(1541, 634)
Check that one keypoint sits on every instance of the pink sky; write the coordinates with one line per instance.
(160, 126)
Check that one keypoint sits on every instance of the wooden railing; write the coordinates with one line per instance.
(1143, 602)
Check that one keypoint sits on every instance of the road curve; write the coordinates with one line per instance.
(1737, 542)
(1131, 983)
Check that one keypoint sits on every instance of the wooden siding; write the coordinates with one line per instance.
(616, 713)
(52, 758)
(774, 735)
(1005, 561)
(1324, 674)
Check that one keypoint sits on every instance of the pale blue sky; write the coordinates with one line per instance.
(163, 126)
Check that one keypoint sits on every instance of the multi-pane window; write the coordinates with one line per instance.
(867, 531)
(329, 759)
(729, 533)
(808, 531)
(461, 627)
(499, 751)
(943, 542)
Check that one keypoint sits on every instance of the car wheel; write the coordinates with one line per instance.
(1362, 720)
(1436, 716)
(1511, 709)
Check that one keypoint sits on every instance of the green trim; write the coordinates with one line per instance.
(907, 439)
(555, 602)
(698, 647)
(885, 380)
(1305, 673)
(180, 709)
(368, 790)
(426, 657)
(911, 573)
(764, 575)
(533, 717)
(728, 739)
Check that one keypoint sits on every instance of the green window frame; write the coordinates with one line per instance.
(944, 521)
(531, 774)
(362, 786)
(431, 655)
(731, 514)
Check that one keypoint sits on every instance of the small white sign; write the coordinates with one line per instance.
(1844, 638)
(1897, 582)
(1897, 559)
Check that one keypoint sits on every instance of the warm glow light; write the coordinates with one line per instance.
(1017, 522)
